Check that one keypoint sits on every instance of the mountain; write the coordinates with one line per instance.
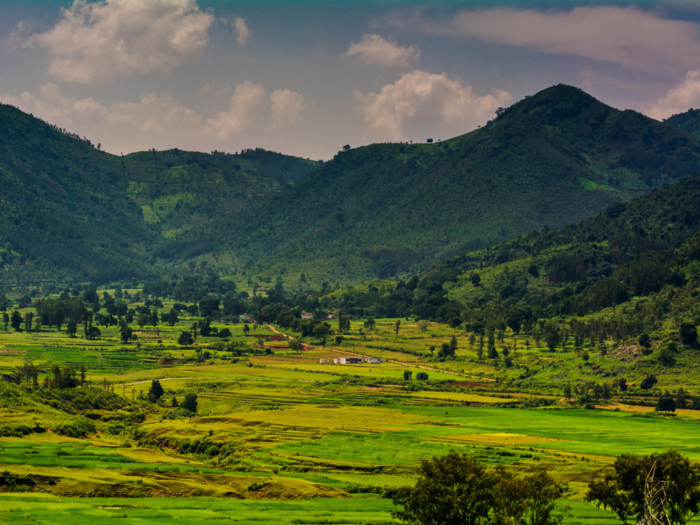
(688, 121)
(641, 255)
(71, 211)
(387, 210)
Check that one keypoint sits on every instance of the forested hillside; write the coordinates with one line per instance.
(71, 211)
(688, 121)
(641, 256)
(390, 209)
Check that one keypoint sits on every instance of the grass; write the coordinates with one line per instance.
(295, 438)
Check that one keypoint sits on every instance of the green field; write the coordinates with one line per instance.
(280, 437)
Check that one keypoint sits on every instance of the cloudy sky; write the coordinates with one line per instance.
(306, 78)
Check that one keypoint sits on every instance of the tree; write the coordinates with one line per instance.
(567, 391)
(190, 402)
(370, 323)
(397, 325)
(665, 403)
(681, 399)
(71, 328)
(645, 341)
(28, 318)
(5, 319)
(476, 280)
(453, 345)
(185, 339)
(225, 333)
(246, 329)
(295, 344)
(648, 382)
(407, 374)
(451, 490)
(156, 389)
(422, 376)
(16, 321)
(458, 490)
(689, 334)
(93, 332)
(423, 325)
(127, 334)
(667, 355)
(622, 384)
(622, 491)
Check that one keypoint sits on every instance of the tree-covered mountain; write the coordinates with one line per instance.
(688, 121)
(389, 209)
(72, 211)
(641, 257)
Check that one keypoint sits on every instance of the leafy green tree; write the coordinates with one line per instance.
(28, 318)
(422, 376)
(185, 339)
(16, 321)
(225, 333)
(71, 328)
(681, 399)
(645, 341)
(156, 389)
(5, 319)
(370, 323)
(127, 334)
(689, 334)
(667, 355)
(622, 384)
(295, 344)
(173, 318)
(93, 332)
(665, 403)
(475, 279)
(458, 490)
(622, 491)
(648, 382)
(407, 374)
(190, 402)
(453, 345)
(397, 325)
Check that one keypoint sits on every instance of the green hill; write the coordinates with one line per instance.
(688, 121)
(384, 210)
(71, 211)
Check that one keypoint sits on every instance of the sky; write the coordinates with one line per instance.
(307, 77)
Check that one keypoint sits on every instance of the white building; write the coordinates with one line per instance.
(373, 360)
(350, 360)
(323, 361)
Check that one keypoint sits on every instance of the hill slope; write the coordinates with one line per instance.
(72, 211)
(688, 121)
(383, 210)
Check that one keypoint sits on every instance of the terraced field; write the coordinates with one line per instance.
(279, 437)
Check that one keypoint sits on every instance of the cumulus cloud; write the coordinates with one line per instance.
(420, 103)
(678, 99)
(244, 111)
(160, 121)
(286, 108)
(242, 31)
(622, 35)
(97, 41)
(376, 51)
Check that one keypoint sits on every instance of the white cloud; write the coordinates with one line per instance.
(242, 31)
(245, 108)
(160, 121)
(100, 40)
(376, 51)
(286, 108)
(420, 104)
(678, 99)
(626, 36)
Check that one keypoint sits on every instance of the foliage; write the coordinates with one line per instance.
(622, 491)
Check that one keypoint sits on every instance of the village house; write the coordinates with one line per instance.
(349, 360)
(373, 360)
(324, 361)
(307, 316)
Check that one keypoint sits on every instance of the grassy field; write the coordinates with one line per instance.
(279, 437)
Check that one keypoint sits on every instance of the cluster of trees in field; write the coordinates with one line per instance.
(457, 489)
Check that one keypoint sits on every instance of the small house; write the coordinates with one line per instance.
(324, 361)
(307, 316)
(350, 360)
(373, 360)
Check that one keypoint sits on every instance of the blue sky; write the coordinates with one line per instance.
(305, 78)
